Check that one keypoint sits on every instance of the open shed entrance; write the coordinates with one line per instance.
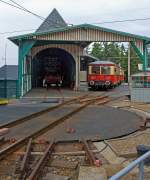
(53, 61)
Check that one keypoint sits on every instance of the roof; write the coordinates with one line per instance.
(53, 21)
(15, 39)
(102, 62)
(10, 72)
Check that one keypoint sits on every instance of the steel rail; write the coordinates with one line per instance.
(22, 141)
(41, 163)
(90, 153)
(36, 114)
(25, 160)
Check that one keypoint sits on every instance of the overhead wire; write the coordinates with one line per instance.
(107, 22)
(42, 18)
(120, 21)
(23, 8)
(18, 6)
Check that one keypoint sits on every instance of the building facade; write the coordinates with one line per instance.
(55, 41)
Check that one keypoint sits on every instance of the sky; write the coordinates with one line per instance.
(74, 12)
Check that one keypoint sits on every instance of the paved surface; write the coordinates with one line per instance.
(41, 93)
(31, 126)
(94, 122)
(33, 101)
(97, 123)
(53, 92)
(12, 112)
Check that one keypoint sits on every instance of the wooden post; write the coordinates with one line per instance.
(129, 69)
(77, 73)
(129, 63)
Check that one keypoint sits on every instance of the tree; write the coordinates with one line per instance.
(118, 53)
(97, 50)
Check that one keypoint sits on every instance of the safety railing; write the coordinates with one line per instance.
(139, 161)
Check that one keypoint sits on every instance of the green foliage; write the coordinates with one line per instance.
(118, 53)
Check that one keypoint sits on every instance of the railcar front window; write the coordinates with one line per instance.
(95, 70)
(105, 70)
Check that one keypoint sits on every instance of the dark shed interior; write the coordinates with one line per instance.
(54, 61)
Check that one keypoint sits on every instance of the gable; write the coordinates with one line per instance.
(53, 21)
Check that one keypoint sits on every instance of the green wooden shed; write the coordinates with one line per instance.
(8, 81)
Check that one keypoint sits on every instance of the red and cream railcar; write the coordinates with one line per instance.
(104, 74)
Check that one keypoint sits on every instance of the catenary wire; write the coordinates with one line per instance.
(18, 6)
(42, 18)
(23, 8)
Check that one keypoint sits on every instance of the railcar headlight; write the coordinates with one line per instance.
(91, 82)
(107, 83)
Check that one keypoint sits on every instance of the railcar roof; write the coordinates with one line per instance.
(102, 62)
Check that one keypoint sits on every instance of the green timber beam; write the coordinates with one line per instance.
(145, 52)
(24, 48)
(147, 42)
(137, 51)
(143, 57)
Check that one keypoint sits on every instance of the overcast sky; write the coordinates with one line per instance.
(74, 12)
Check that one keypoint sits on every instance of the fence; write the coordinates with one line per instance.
(138, 162)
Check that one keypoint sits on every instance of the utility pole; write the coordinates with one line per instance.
(129, 63)
(5, 58)
(129, 69)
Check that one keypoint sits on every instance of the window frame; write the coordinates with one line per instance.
(97, 72)
(107, 72)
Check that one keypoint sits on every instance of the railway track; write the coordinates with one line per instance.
(32, 168)
(22, 141)
(37, 167)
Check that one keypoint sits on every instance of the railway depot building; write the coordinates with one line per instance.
(60, 48)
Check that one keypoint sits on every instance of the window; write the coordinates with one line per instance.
(95, 69)
(105, 70)
(117, 71)
(84, 61)
(83, 64)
